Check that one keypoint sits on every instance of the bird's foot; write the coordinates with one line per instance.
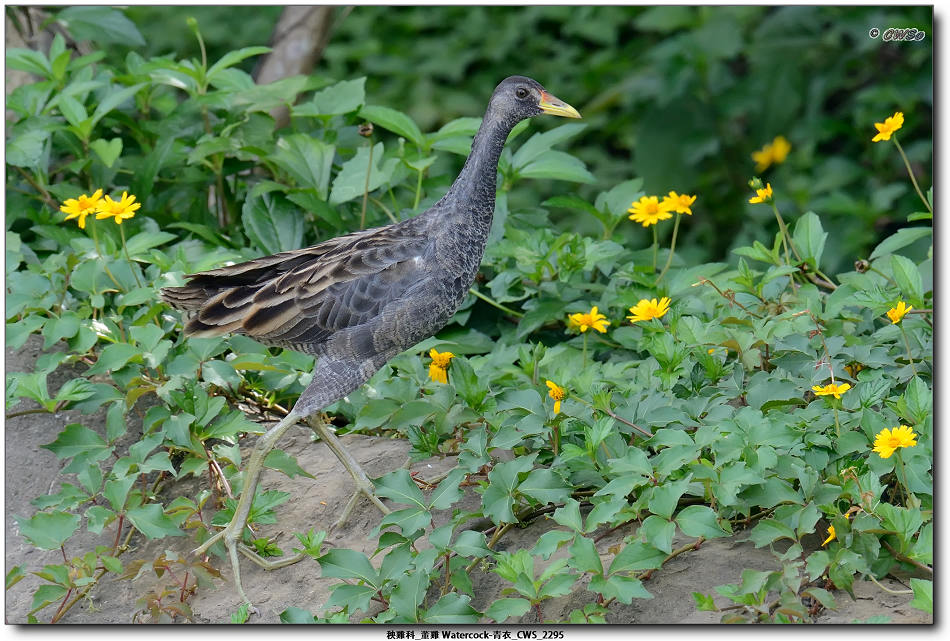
(231, 536)
(363, 488)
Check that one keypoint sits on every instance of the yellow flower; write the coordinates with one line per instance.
(831, 389)
(780, 149)
(773, 153)
(762, 195)
(438, 369)
(888, 440)
(121, 210)
(898, 312)
(853, 369)
(831, 532)
(680, 203)
(649, 210)
(647, 309)
(81, 207)
(888, 127)
(591, 319)
(831, 536)
(556, 392)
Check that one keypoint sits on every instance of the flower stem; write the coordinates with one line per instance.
(129, 258)
(95, 240)
(477, 294)
(669, 259)
(655, 247)
(907, 345)
(902, 481)
(584, 353)
(369, 171)
(910, 172)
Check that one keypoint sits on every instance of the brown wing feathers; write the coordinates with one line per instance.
(299, 298)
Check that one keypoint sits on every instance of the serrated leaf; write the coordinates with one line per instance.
(637, 556)
(342, 563)
(907, 275)
(503, 609)
(545, 486)
(151, 521)
(48, 530)
(453, 608)
(399, 486)
(283, 462)
(77, 439)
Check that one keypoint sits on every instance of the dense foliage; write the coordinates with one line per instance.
(698, 399)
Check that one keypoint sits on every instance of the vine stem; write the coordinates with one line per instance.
(910, 172)
(369, 171)
(669, 259)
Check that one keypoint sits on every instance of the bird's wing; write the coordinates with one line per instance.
(300, 298)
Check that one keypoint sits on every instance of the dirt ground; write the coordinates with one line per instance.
(31, 471)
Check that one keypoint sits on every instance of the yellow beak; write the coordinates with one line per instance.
(556, 107)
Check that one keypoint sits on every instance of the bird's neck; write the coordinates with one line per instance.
(474, 189)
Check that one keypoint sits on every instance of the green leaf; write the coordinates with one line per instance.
(108, 151)
(503, 609)
(451, 609)
(76, 440)
(394, 121)
(399, 486)
(545, 486)
(283, 462)
(98, 517)
(470, 544)
(307, 160)
(704, 602)
(908, 277)
(26, 149)
(351, 182)
(584, 557)
(769, 530)
(557, 165)
(48, 530)
(624, 588)
(351, 597)
(343, 563)
(923, 595)
(151, 521)
(141, 243)
(809, 238)
(448, 491)
(409, 594)
(341, 98)
(541, 142)
(231, 58)
(569, 515)
(664, 497)
(56, 329)
(113, 100)
(658, 532)
(699, 520)
(900, 239)
(116, 491)
(637, 556)
(113, 357)
(102, 25)
(30, 61)
(272, 223)
(73, 110)
(295, 615)
(46, 594)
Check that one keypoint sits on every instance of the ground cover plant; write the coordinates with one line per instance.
(607, 367)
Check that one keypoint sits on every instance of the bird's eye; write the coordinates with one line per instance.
(521, 92)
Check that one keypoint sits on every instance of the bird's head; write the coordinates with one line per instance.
(517, 97)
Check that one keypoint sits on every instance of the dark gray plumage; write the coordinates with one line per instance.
(358, 300)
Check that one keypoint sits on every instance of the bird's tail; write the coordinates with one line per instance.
(206, 313)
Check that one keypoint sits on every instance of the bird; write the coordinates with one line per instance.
(356, 301)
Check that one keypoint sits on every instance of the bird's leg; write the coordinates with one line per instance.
(363, 484)
(252, 473)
